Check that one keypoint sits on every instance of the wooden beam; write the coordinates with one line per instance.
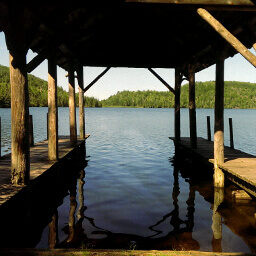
(192, 107)
(80, 78)
(52, 109)
(72, 105)
(162, 80)
(232, 40)
(221, 5)
(178, 80)
(96, 79)
(219, 125)
(36, 61)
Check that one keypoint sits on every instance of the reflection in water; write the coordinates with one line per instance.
(179, 238)
(53, 231)
(217, 220)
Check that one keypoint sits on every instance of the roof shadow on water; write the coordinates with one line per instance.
(24, 222)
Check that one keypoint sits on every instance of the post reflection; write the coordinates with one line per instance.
(217, 220)
(53, 231)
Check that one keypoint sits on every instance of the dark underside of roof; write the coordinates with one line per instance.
(128, 34)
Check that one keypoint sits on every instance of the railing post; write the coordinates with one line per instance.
(31, 131)
(231, 133)
(209, 128)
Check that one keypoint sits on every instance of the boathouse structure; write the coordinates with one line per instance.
(184, 35)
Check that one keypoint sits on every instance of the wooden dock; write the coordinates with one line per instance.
(239, 167)
(39, 163)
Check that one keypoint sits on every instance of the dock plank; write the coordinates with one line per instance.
(240, 166)
(39, 163)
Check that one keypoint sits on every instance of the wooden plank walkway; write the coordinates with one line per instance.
(39, 163)
(238, 166)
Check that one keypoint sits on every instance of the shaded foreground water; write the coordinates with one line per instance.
(134, 194)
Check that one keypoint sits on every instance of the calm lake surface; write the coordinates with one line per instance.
(132, 196)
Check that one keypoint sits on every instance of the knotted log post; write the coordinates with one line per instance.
(219, 125)
(192, 107)
(16, 43)
(80, 78)
(72, 105)
(52, 117)
(178, 80)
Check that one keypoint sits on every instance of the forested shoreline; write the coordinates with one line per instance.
(237, 95)
(38, 92)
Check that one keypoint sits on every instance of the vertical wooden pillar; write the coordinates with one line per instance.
(72, 105)
(52, 116)
(178, 78)
(192, 107)
(219, 125)
(209, 128)
(80, 77)
(16, 43)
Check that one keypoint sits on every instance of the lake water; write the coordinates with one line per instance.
(133, 197)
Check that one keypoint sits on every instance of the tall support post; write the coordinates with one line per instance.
(80, 77)
(52, 109)
(178, 79)
(192, 107)
(219, 125)
(16, 43)
(72, 105)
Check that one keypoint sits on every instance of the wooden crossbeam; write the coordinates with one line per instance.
(232, 40)
(221, 5)
(96, 79)
(162, 80)
(36, 61)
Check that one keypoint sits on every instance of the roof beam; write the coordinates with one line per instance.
(162, 80)
(232, 40)
(224, 5)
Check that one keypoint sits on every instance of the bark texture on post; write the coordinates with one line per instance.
(72, 106)
(16, 43)
(80, 76)
(192, 107)
(178, 78)
(52, 110)
(219, 125)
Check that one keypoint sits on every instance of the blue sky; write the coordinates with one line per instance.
(119, 79)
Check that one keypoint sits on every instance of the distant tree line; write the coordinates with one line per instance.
(237, 95)
(38, 92)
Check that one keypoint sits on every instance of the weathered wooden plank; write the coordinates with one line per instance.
(39, 164)
(241, 170)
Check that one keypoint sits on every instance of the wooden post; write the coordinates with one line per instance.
(72, 105)
(178, 78)
(81, 102)
(219, 125)
(52, 117)
(16, 43)
(209, 137)
(192, 107)
(231, 133)
(31, 131)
